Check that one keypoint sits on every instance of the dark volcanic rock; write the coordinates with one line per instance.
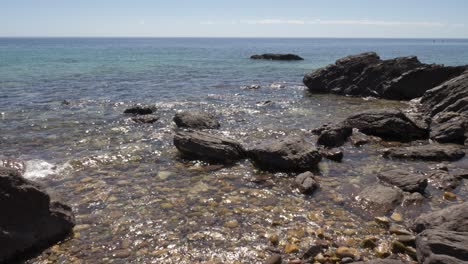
(205, 146)
(271, 56)
(196, 120)
(442, 247)
(29, 222)
(405, 180)
(386, 124)
(453, 218)
(287, 154)
(306, 182)
(140, 110)
(431, 152)
(380, 199)
(367, 75)
(334, 136)
(145, 119)
(332, 154)
(450, 127)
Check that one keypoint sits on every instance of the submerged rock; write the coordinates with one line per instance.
(443, 180)
(205, 146)
(306, 182)
(405, 180)
(290, 154)
(271, 56)
(380, 199)
(442, 247)
(145, 119)
(334, 136)
(30, 221)
(453, 218)
(140, 110)
(196, 120)
(365, 74)
(332, 154)
(431, 152)
(390, 125)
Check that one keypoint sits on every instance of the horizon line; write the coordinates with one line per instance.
(243, 37)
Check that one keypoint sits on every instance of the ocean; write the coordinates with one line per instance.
(135, 199)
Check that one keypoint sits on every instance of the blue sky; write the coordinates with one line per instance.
(236, 18)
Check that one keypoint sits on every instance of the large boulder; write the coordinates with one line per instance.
(196, 120)
(380, 199)
(453, 218)
(290, 154)
(205, 146)
(272, 56)
(30, 221)
(436, 246)
(367, 75)
(450, 127)
(430, 152)
(405, 180)
(391, 125)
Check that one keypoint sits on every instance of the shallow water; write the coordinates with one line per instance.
(135, 200)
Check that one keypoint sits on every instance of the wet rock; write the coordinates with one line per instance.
(291, 248)
(369, 242)
(450, 196)
(15, 164)
(453, 218)
(444, 180)
(450, 127)
(358, 139)
(365, 74)
(405, 180)
(306, 182)
(205, 146)
(140, 110)
(380, 261)
(30, 221)
(413, 199)
(399, 230)
(380, 199)
(314, 250)
(431, 152)
(286, 154)
(334, 136)
(271, 56)
(345, 252)
(390, 125)
(441, 246)
(275, 259)
(408, 240)
(145, 119)
(398, 247)
(332, 154)
(196, 120)
(251, 87)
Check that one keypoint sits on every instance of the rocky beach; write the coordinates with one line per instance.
(364, 161)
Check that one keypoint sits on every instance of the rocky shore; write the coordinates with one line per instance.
(433, 129)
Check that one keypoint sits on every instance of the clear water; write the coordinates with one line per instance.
(136, 201)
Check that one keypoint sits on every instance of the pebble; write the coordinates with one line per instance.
(122, 253)
(291, 248)
(274, 239)
(343, 252)
(396, 217)
(163, 175)
(382, 220)
(295, 261)
(450, 196)
(369, 242)
(79, 228)
(231, 224)
(275, 259)
(347, 260)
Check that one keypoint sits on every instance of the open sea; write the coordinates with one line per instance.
(135, 200)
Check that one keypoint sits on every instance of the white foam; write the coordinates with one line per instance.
(41, 169)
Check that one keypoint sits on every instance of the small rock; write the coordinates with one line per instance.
(335, 155)
(275, 259)
(407, 240)
(122, 253)
(347, 260)
(196, 120)
(306, 182)
(145, 119)
(140, 110)
(274, 239)
(345, 252)
(382, 220)
(370, 242)
(399, 230)
(450, 196)
(291, 248)
(396, 217)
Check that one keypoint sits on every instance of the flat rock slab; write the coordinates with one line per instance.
(380, 199)
(390, 125)
(289, 154)
(431, 152)
(196, 120)
(271, 56)
(405, 180)
(435, 246)
(454, 218)
(208, 147)
(30, 221)
(450, 127)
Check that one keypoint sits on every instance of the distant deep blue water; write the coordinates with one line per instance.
(135, 200)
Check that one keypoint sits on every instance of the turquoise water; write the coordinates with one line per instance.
(136, 201)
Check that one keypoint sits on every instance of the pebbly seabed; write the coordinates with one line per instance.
(136, 200)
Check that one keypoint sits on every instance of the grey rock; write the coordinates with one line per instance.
(381, 261)
(274, 259)
(450, 127)
(289, 154)
(380, 199)
(306, 182)
(334, 136)
(332, 154)
(140, 110)
(405, 180)
(145, 119)
(272, 56)
(196, 120)
(453, 218)
(391, 125)
(30, 221)
(435, 246)
(205, 146)
(443, 180)
(431, 152)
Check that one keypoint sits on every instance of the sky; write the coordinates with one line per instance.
(235, 18)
